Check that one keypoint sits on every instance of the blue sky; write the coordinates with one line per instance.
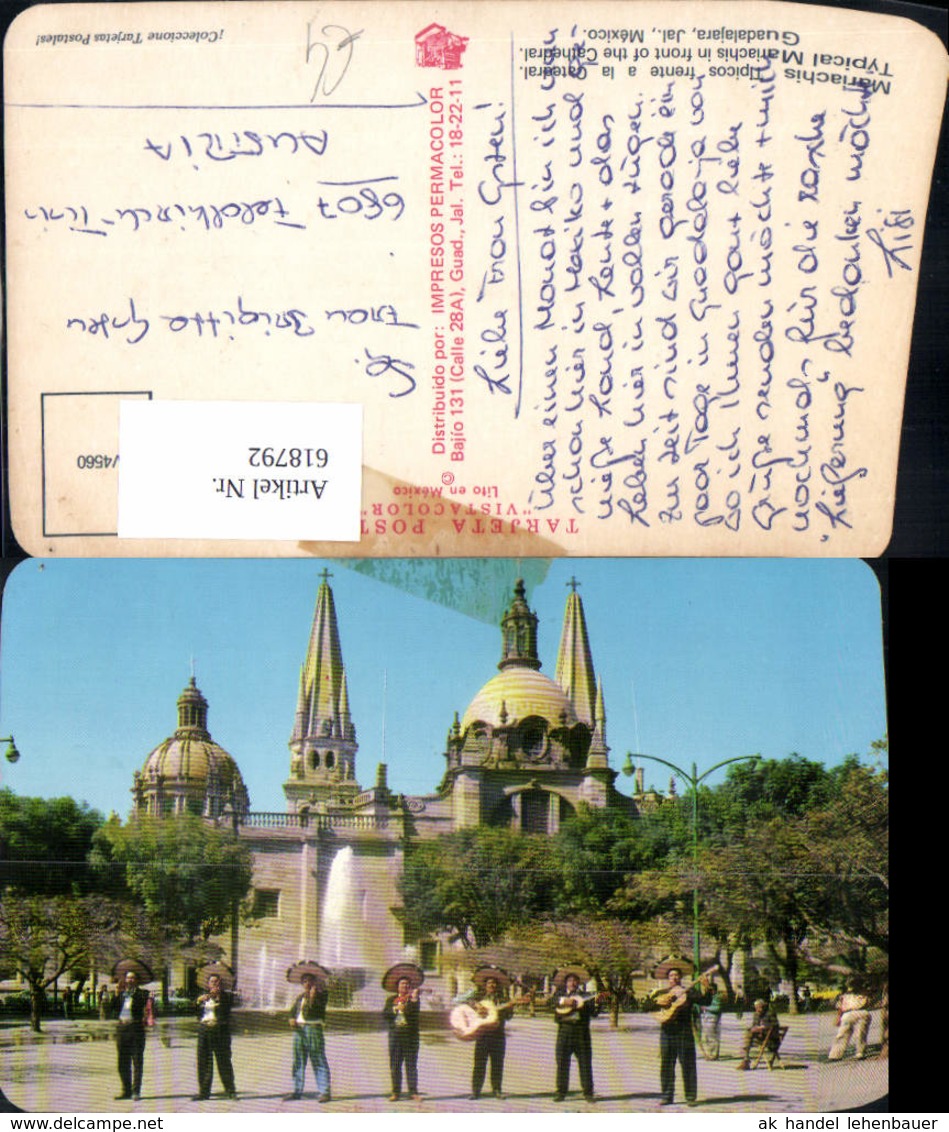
(701, 660)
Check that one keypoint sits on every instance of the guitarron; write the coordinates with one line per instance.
(468, 1020)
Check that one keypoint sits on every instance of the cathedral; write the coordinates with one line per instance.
(523, 754)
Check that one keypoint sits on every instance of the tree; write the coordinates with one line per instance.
(43, 937)
(599, 847)
(773, 788)
(849, 849)
(187, 873)
(476, 883)
(519, 953)
(760, 887)
(793, 857)
(160, 945)
(44, 843)
(611, 950)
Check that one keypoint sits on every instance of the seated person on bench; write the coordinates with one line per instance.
(764, 1028)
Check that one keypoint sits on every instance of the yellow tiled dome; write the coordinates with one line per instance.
(188, 771)
(519, 693)
(193, 760)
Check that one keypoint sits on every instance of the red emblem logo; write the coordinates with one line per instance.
(436, 46)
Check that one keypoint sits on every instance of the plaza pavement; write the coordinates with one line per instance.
(71, 1067)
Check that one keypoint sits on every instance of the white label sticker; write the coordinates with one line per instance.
(240, 470)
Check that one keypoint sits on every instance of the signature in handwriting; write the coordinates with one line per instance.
(893, 239)
(332, 55)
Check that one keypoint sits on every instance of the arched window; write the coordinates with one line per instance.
(535, 811)
(578, 745)
(502, 815)
(532, 738)
(542, 811)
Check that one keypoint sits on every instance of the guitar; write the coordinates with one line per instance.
(567, 1007)
(469, 1019)
(673, 1000)
(670, 1004)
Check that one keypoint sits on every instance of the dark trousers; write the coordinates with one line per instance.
(677, 1046)
(403, 1050)
(489, 1046)
(130, 1043)
(574, 1040)
(214, 1044)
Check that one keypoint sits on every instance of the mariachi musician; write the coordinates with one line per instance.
(214, 1031)
(486, 1012)
(401, 1015)
(676, 1040)
(573, 1012)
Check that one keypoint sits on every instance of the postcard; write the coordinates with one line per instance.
(617, 279)
(444, 835)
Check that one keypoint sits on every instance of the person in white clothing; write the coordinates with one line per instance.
(853, 1018)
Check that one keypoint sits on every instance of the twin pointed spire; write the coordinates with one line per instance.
(324, 739)
(323, 697)
(574, 672)
(323, 743)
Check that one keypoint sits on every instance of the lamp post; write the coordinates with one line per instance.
(12, 754)
(693, 780)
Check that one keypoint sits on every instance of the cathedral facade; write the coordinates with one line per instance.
(526, 751)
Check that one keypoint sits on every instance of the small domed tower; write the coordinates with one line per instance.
(189, 773)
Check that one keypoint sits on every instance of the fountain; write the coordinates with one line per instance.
(266, 980)
(341, 932)
(348, 941)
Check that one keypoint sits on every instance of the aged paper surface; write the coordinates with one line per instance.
(617, 279)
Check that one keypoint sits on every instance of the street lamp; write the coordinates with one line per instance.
(693, 780)
(13, 755)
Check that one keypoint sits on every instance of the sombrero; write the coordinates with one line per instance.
(672, 962)
(581, 974)
(296, 973)
(481, 976)
(223, 972)
(410, 971)
(140, 969)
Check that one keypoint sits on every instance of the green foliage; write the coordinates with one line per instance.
(773, 788)
(597, 849)
(758, 885)
(848, 844)
(188, 875)
(610, 949)
(43, 937)
(789, 852)
(815, 869)
(476, 884)
(820, 871)
(44, 843)
(761, 889)
(661, 893)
